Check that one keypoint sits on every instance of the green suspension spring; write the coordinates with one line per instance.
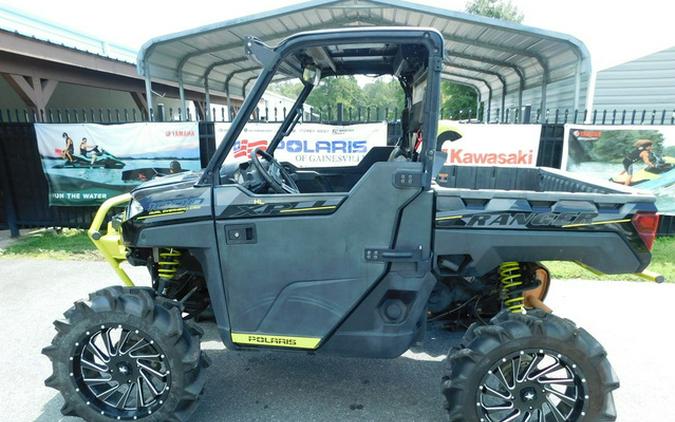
(169, 260)
(510, 277)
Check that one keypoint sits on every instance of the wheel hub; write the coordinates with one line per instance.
(123, 368)
(528, 394)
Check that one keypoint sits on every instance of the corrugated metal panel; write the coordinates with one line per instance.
(31, 26)
(647, 83)
(481, 51)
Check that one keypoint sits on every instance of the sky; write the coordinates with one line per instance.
(614, 31)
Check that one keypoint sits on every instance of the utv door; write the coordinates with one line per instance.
(294, 266)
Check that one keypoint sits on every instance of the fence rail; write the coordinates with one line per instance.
(24, 191)
(342, 114)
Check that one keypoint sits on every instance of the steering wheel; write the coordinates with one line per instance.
(274, 173)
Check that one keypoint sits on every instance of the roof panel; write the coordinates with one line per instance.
(532, 53)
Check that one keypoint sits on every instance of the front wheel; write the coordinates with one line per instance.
(126, 354)
(534, 367)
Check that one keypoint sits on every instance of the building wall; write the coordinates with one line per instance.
(647, 83)
(559, 96)
(77, 97)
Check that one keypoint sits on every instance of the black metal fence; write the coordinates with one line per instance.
(341, 114)
(24, 191)
(594, 117)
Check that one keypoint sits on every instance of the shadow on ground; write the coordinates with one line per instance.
(257, 385)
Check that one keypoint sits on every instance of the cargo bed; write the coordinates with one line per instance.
(489, 215)
(519, 181)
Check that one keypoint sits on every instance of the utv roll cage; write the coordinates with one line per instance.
(413, 55)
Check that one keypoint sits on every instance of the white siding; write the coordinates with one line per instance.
(647, 83)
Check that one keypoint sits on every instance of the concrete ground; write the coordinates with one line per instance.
(632, 320)
(6, 240)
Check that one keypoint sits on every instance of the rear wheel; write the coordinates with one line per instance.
(126, 354)
(535, 367)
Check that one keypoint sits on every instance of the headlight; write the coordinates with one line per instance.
(135, 208)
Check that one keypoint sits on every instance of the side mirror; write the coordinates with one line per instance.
(311, 75)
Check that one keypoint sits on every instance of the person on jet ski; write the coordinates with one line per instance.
(642, 152)
(86, 149)
(175, 167)
(70, 148)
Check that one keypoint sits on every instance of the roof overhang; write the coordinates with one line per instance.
(488, 54)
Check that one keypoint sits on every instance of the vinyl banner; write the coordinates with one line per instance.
(310, 144)
(638, 156)
(475, 144)
(85, 164)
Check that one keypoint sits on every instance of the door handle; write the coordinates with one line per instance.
(237, 234)
(393, 255)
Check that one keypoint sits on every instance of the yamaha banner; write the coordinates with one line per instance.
(310, 144)
(638, 156)
(85, 164)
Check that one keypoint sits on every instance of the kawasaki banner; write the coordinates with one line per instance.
(638, 156)
(474, 144)
(87, 163)
(310, 144)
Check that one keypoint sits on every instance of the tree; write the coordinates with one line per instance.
(613, 145)
(499, 9)
(454, 97)
(290, 89)
(382, 94)
(333, 90)
(458, 101)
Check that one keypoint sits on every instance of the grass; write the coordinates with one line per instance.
(72, 244)
(68, 244)
(663, 262)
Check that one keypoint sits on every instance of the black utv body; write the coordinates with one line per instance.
(354, 260)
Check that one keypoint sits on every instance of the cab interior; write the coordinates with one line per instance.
(407, 63)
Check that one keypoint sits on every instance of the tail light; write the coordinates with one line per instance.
(646, 225)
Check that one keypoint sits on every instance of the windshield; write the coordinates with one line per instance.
(341, 120)
(329, 108)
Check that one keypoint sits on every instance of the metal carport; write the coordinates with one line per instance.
(510, 65)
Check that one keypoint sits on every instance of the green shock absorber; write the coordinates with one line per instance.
(167, 266)
(511, 278)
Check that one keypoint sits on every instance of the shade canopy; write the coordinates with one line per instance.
(510, 65)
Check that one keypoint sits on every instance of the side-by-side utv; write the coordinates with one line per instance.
(352, 261)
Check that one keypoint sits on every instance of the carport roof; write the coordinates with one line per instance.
(485, 53)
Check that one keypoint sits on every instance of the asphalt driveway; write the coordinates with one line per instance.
(632, 320)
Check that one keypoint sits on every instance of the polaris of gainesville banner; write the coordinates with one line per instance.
(85, 164)
(474, 144)
(310, 144)
(638, 156)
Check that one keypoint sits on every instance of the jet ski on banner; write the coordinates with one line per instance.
(103, 159)
(662, 174)
(148, 173)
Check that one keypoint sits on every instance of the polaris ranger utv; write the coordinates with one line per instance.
(344, 260)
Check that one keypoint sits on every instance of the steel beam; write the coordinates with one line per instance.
(207, 99)
(489, 102)
(277, 35)
(148, 91)
(245, 84)
(33, 90)
(181, 95)
(487, 72)
(229, 104)
(475, 89)
(516, 69)
(139, 100)
(577, 84)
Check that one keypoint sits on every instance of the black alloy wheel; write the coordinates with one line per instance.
(126, 354)
(533, 367)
